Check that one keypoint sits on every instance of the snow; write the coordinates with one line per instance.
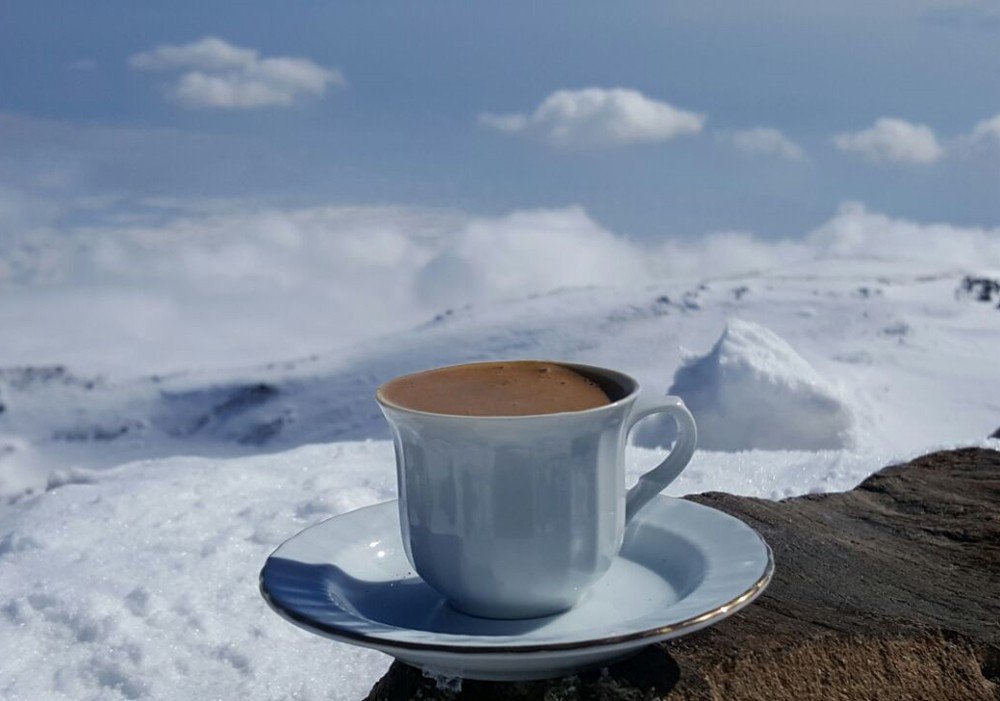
(911, 356)
(141, 582)
(752, 390)
(136, 512)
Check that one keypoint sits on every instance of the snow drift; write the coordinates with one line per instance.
(753, 390)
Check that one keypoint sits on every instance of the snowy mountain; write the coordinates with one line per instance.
(138, 580)
(835, 357)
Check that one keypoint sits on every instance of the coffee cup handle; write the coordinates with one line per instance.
(654, 481)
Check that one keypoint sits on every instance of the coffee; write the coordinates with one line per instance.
(511, 388)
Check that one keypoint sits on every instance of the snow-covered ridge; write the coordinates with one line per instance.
(857, 351)
(138, 581)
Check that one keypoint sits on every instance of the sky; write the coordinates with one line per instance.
(461, 106)
(205, 184)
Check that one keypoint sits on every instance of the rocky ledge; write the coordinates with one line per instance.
(889, 591)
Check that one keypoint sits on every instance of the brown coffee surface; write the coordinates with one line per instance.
(511, 388)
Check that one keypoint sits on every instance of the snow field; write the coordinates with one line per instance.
(143, 582)
(139, 581)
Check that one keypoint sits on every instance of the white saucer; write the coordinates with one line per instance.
(683, 567)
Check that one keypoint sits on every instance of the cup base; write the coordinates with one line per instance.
(513, 611)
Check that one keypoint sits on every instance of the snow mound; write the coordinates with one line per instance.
(754, 391)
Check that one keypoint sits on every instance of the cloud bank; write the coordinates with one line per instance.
(893, 140)
(599, 117)
(218, 75)
(242, 283)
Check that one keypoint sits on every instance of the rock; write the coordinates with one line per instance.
(982, 289)
(889, 591)
(995, 434)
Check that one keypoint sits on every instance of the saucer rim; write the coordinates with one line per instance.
(671, 630)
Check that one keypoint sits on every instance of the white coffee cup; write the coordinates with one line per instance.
(516, 516)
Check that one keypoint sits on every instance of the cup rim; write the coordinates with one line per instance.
(615, 374)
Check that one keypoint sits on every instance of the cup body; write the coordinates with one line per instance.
(513, 517)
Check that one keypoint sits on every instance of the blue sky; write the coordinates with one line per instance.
(78, 121)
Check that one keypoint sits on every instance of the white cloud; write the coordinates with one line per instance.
(766, 141)
(853, 233)
(219, 75)
(982, 141)
(431, 257)
(894, 140)
(987, 131)
(598, 117)
(858, 233)
(210, 53)
(524, 252)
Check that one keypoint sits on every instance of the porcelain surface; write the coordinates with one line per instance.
(517, 516)
(682, 567)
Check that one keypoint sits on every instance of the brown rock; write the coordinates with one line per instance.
(889, 591)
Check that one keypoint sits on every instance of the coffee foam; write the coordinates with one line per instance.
(511, 388)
